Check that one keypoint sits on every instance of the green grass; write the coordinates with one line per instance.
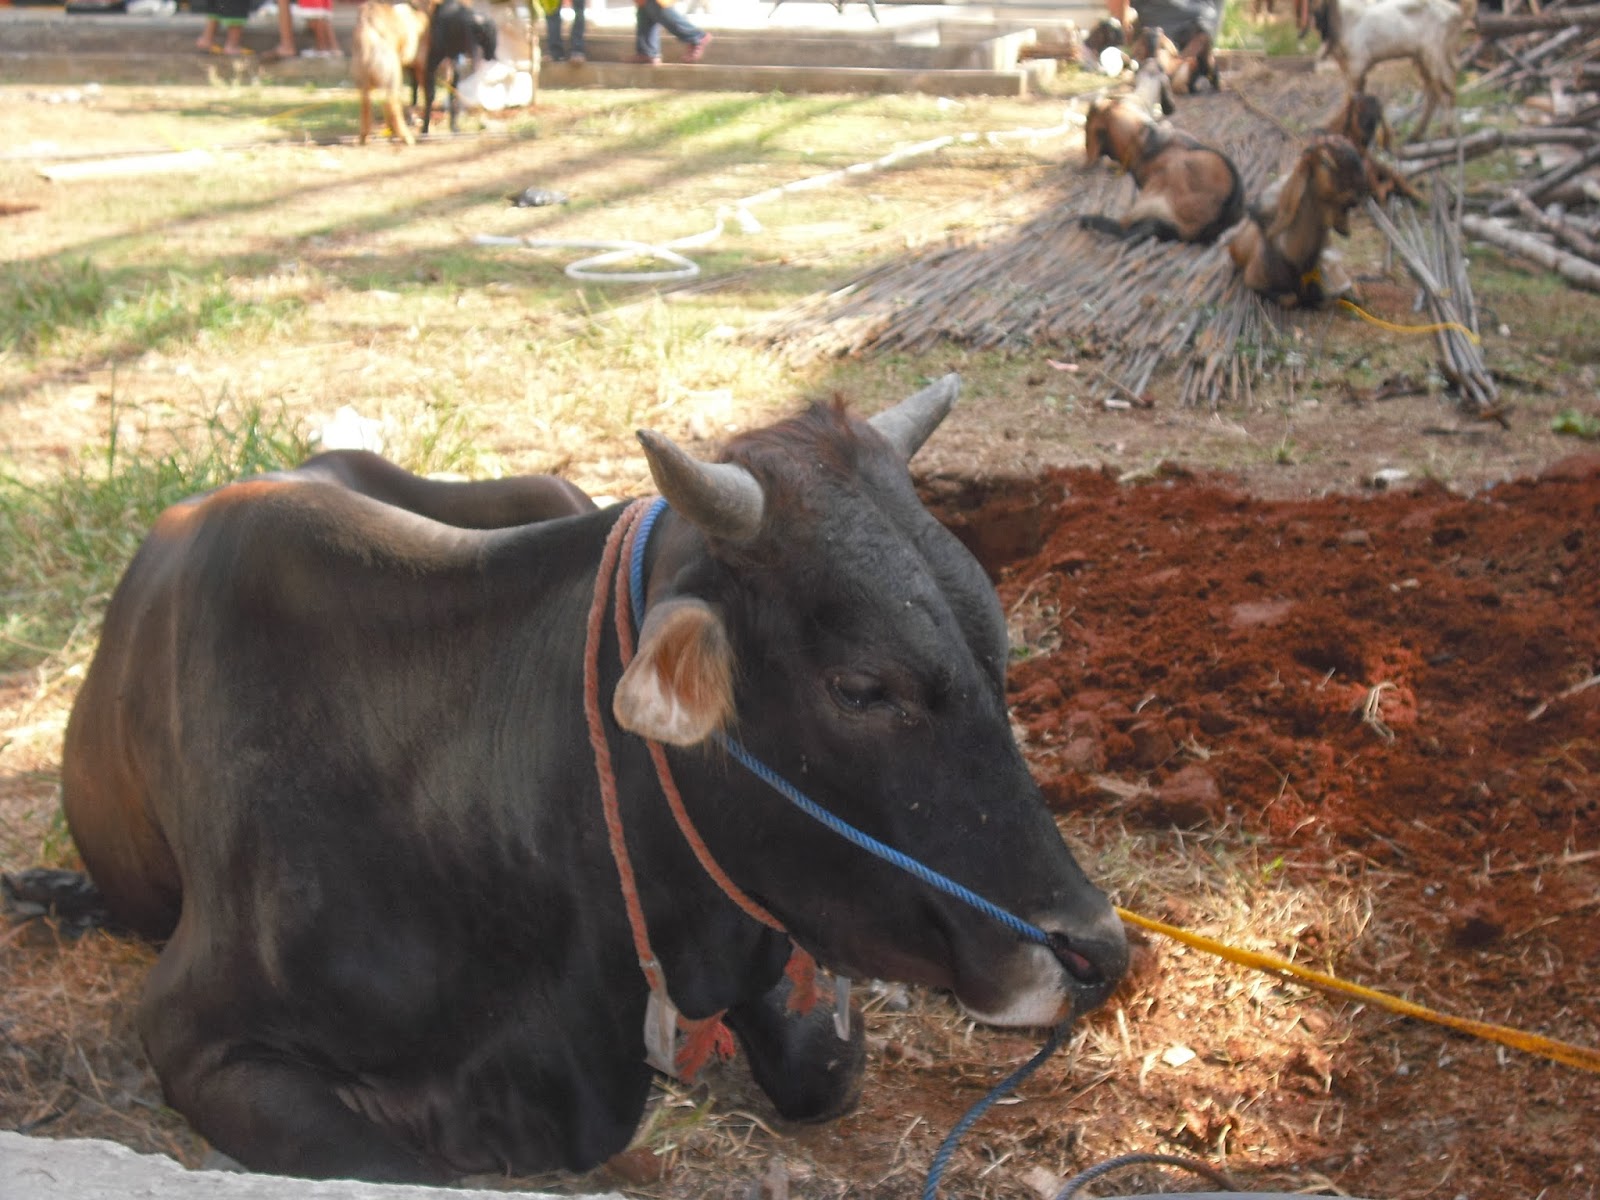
(1273, 36)
(38, 299)
(71, 306)
(64, 542)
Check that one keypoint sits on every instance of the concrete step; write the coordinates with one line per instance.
(941, 56)
(198, 69)
(718, 77)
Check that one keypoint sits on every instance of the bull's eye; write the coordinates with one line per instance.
(857, 693)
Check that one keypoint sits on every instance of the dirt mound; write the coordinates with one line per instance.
(1401, 685)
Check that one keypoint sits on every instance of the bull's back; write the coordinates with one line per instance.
(201, 627)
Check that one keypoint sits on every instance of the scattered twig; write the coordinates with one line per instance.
(1541, 708)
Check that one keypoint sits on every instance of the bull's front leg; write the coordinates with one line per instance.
(807, 1070)
(255, 1102)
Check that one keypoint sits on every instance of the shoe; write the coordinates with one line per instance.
(649, 60)
(697, 51)
(578, 58)
(556, 56)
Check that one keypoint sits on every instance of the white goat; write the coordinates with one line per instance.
(1359, 34)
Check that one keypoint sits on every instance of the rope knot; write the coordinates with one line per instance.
(703, 1041)
(801, 970)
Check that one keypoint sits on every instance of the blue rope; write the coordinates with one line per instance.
(1023, 929)
(941, 1157)
(636, 560)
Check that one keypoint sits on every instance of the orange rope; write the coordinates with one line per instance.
(602, 754)
(658, 755)
(706, 1037)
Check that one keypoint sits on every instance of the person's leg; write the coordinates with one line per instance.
(286, 47)
(647, 32)
(552, 37)
(579, 51)
(208, 39)
(235, 31)
(679, 26)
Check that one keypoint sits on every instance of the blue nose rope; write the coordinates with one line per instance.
(1023, 929)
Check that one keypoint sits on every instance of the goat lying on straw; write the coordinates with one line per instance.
(1279, 249)
(1188, 192)
(1359, 34)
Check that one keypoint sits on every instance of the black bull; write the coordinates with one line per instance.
(332, 748)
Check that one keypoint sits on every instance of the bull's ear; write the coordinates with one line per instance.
(679, 687)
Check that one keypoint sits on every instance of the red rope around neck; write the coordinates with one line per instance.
(709, 1036)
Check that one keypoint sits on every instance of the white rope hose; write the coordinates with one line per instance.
(589, 269)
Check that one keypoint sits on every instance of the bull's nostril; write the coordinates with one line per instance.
(1075, 964)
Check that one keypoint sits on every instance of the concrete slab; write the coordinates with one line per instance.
(90, 1169)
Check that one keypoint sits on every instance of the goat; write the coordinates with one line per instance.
(456, 32)
(1188, 192)
(1153, 89)
(1279, 249)
(1107, 34)
(1359, 34)
(1185, 67)
(1360, 119)
(389, 40)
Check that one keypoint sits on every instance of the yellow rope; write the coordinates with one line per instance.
(296, 111)
(1562, 1052)
(1393, 328)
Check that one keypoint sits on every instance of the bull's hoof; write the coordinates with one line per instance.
(70, 896)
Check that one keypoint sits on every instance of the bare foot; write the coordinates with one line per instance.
(205, 44)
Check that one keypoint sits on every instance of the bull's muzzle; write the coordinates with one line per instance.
(1094, 959)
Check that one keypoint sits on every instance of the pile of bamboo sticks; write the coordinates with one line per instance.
(1554, 43)
(1432, 252)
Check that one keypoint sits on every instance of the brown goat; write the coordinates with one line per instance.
(1186, 67)
(1279, 250)
(1188, 191)
(1361, 120)
(389, 40)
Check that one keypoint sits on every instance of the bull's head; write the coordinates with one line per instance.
(801, 595)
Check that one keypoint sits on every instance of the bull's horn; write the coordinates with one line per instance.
(910, 423)
(723, 499)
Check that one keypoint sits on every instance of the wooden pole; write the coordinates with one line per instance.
(1492, 26)
(1570, 267)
